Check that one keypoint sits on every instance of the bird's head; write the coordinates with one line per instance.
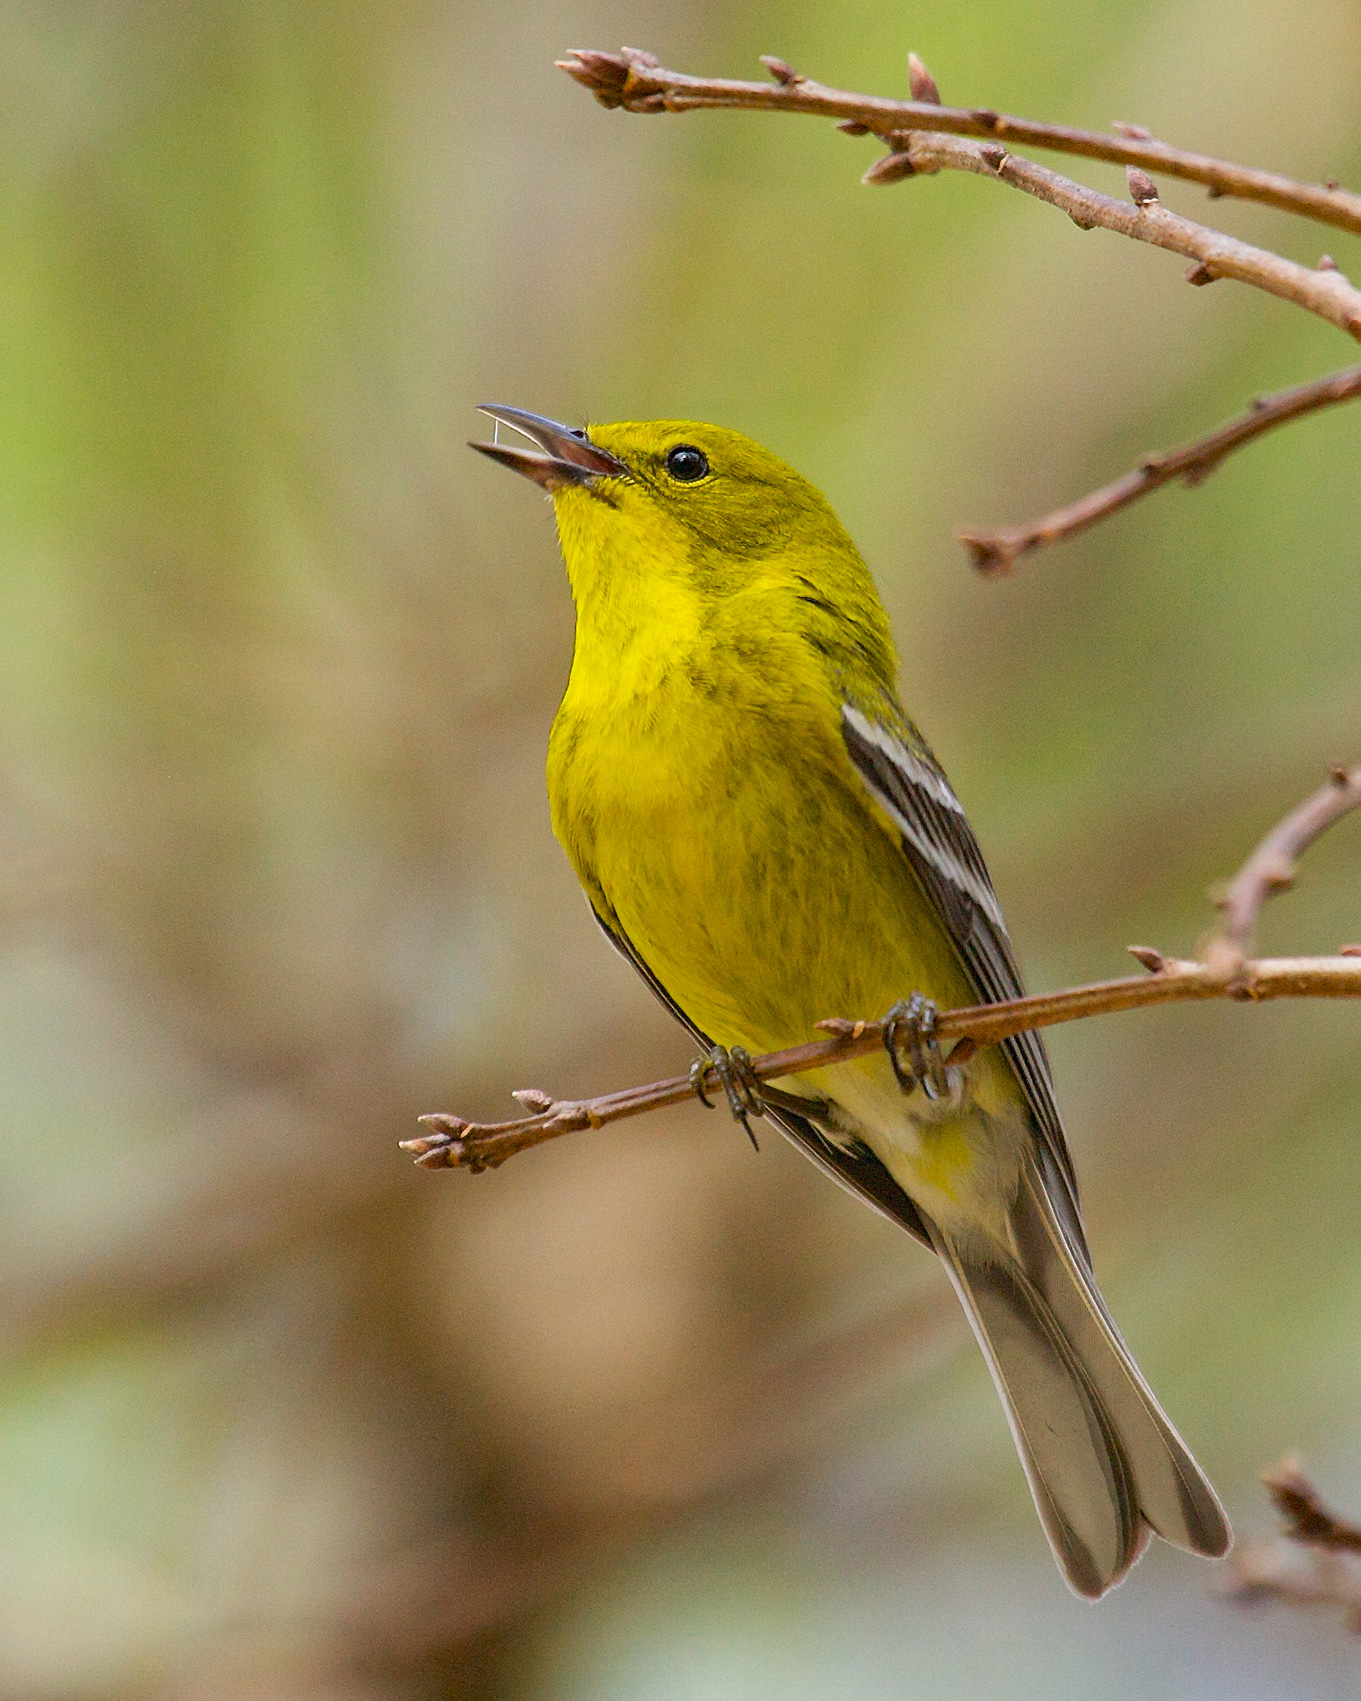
(673, 516)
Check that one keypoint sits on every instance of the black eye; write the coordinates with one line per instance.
(687, 463)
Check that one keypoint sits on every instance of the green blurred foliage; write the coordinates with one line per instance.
(642, 1415)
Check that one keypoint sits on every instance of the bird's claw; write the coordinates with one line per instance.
(740, 1086)
(911, 1025)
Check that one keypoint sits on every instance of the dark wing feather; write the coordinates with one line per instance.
(897, 765)
(856, 1168)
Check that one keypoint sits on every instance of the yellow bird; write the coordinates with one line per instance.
(768, 839)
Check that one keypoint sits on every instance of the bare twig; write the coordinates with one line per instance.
(998, 551)
(1315, 1561)
(925, 137)
(637, 82)
(1272, 866)
(1307, 1519)
(455, 1143)
(1325, 291)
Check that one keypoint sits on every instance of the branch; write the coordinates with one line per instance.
(998, 551)
(926, 137)
(1313, 1562)
(1272, 866)
(1321, 290)
(1307, 1519)
(638, 83)
(1225, 972)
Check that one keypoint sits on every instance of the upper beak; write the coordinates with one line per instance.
(563, 456)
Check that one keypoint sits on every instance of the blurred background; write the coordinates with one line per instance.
(644, 1416)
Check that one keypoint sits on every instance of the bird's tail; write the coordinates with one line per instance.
(1104, 1464)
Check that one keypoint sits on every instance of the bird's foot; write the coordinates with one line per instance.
(740, 1086)
(911, 1026)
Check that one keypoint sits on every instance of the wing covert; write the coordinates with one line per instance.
(904, 777)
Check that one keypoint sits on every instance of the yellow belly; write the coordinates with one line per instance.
(765, 893)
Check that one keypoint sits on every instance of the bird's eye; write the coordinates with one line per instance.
(687, 463)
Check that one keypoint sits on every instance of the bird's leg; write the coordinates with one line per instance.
(816, 1110)
(748, 1096)
(912, 1025)
(740, 1086)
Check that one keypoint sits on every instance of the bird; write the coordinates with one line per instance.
(765, 835)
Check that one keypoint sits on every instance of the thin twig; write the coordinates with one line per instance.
(998, 551)
(1325, 291)
(1313, 1562)
(925, 137)
(1273, 865)
(1307, 1519)
(455, 1143)
(637, 82)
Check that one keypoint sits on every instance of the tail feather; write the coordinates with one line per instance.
(1174, 1495)
(1104, 1464)
(1076, 1467)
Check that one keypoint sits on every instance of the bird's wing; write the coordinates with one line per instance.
(903, 776)
(854, 1166)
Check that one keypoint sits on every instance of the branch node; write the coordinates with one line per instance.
(1227, 962)
(921, 82)
(1152, 959)
(534, 1099)
(995, 155)
(1326, 263)
(853, 127)
(985, 117)
(1349, 951)
(604, 74)
(422, 1144)
(991, 552)
(1131, 132)
(891, 167)
(782, 72)
(445, 1124)
(1200, 274)
(1142, 189)
(1307, 1518)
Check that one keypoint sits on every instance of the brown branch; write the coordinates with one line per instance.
(926, 137)
(1323, 290)
(1315, 1561)
(998, 551)
(1272, 866)
(638, 83)
(1307, 1519)
(455, 1143)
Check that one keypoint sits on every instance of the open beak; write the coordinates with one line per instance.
(561, 456)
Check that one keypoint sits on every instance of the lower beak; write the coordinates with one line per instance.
(560, 457)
